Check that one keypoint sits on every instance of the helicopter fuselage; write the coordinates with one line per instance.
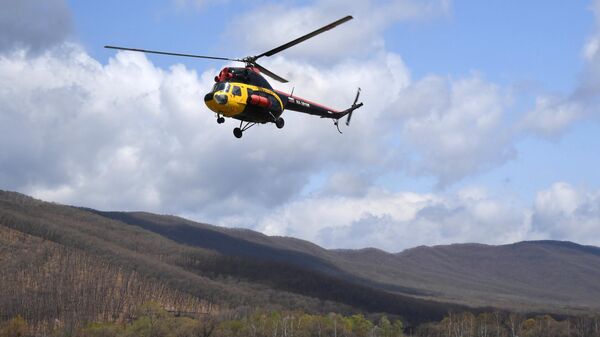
(245, 102)
(242, 93)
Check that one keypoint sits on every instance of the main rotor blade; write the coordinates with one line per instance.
(174, 54)
(305, 37)
(270, 73)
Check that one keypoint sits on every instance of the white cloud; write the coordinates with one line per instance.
(129, 135)
(456, 126)
(561, 198)
(447, 128)
(347, 183)
(554, 114)
(395, 221)
(564, 212)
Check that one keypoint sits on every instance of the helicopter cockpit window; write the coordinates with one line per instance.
(221, 87)
(236, 91)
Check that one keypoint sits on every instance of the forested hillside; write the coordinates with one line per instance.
(54, 285)
(542, 276)
(66, 266)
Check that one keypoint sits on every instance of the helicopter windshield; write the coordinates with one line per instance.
(223, 86)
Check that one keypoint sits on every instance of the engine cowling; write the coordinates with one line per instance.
(260, 101)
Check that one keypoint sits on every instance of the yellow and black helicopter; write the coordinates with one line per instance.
(244, 94)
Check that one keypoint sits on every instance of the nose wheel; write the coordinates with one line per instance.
(221, 120)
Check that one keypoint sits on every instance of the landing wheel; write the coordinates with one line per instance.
(279, 123)
(221, 120)
(237, 132)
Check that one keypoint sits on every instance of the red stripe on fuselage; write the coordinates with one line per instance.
(307, 101)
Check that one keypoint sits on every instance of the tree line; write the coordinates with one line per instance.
(153, 320)
(502, 324)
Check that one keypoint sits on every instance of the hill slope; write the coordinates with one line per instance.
(192, 266)
(535, 275)
(64, 260)
(545, 276)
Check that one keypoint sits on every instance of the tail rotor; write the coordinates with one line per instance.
(354, 107)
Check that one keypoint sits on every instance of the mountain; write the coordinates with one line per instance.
(67, 264)
(60, 261)
(535, 276)
(544, 276)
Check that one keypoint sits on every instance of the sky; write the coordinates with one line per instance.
(480, 120)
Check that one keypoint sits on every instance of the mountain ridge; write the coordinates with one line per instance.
(406, 274)
(541, 276)
(179, 274)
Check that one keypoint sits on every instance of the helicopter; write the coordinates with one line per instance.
(244, 94)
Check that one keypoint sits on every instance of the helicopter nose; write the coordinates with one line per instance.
(221, 98)
(208, 97)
